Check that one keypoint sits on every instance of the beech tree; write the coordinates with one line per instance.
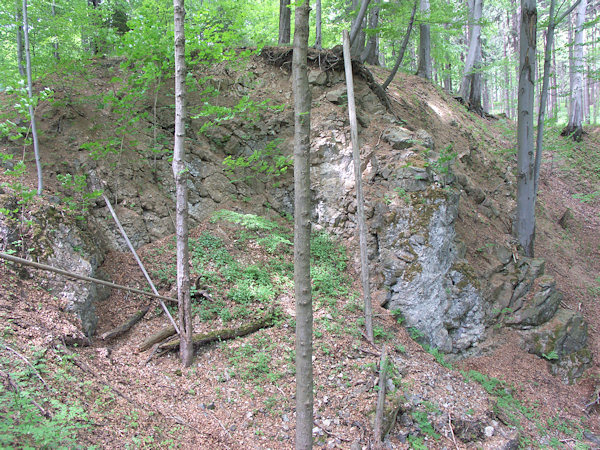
(186, 348)
(424, 69)
(302, 210)
(34, 135)
(285, 19)
(525, 226)
(470, 88)
(576, 105)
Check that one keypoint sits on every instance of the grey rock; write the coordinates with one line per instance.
(538, 305)
(317, 77)
(426, 139)
(563, 341)
(398, 138)
(338, 95)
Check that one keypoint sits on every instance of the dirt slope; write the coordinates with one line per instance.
(240, 394)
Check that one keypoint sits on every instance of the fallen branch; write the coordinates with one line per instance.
(66, 273)
(12, 384)
(156, 338)
(221, 335)
(30, 365)
(126, 326)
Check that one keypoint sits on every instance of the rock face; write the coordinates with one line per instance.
(60, 242)
(563, 342)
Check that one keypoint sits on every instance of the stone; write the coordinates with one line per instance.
(488, 431)
(563, 342)
(399, 138)
(426, 139)
(317, 77)
(338, 95)
(538, 306)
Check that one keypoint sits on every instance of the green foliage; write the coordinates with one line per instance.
(424, 424)
(80, 200)
(264, 164)
(506, 402)
(23, 424)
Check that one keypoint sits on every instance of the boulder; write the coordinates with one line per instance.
(563, 342)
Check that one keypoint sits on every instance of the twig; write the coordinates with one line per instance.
(27, 361)
(330, 433)
(16, 388)
(220, 423)
(452, 431)
(126, 326)
(370, 352)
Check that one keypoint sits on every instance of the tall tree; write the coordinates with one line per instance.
(470, 88)
(575, 125)
(357, 23)
(180, 173)
(36, 145)
(302, 209)
(424, 69)
(402, 47)
(285, 22)
(370, 53)
(19, 21)
(318, 26)
(525, 226)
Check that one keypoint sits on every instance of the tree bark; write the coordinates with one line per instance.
(302, 210)
(36, 146)
(358, 22)
(180, 173)
(318, 25)
(19, 21)
(575, 125)
(525, 226)
(470, 88)
(403, 47)
(424, 70)
(55, 38)
(285, 19)
(370, 52)
(360, 200)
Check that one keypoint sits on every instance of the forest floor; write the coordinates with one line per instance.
(240, 393)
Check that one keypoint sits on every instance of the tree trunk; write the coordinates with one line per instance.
(357, 25)
(302, 210)
(525, 226)
(55, 38)
(424, 69)
(360, 200)
(285, 19)
(470, 88)
(403, 47)
(318, 23)
(186, 349)
(19, 21)
(575, 125)
(370, 53)
(36, 146)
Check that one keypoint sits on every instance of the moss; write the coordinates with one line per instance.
(467, 271)
(412, 271)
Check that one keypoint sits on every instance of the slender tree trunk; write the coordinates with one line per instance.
(575, 125)
(302, 210)
(369, 54)
(19, 21)
(424, 70)
(402, 47)
(180, 172)
(36, 146)
(285, 19)
(358, 22)
(470, 88)
(360, 200)
(318, 23)
(55, 38)
(525, 226)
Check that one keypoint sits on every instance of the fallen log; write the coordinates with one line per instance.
(126, 326)
(228, 333)
(157, 337)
